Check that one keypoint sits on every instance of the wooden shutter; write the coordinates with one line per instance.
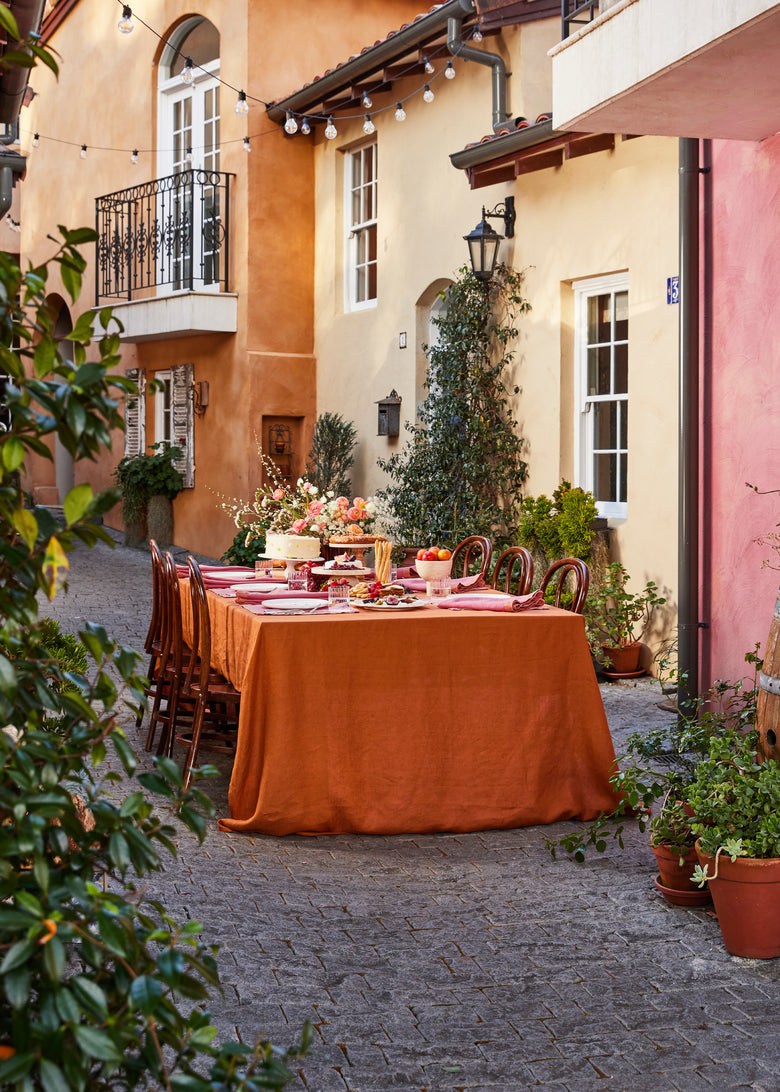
(183, 416)
(135, 414)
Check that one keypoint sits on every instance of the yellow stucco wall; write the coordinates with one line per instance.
(597, 214)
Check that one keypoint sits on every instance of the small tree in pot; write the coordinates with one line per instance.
(616, 620)
(149, 483)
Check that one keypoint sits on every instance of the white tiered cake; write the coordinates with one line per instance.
(300, 547)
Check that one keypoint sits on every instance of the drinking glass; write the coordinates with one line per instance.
(338, 597)
(298, 580)
(439, 588)
(264, 568)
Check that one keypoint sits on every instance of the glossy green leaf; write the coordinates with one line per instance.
(25, 523)
(55, 567)
(13, 452)
(77, 502)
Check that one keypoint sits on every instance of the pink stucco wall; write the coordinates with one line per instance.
(741, 405)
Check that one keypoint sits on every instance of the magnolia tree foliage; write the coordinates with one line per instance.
(461, 472)
(100, 989)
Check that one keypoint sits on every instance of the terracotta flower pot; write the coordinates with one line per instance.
(623, 660)
(746, 894)
(672, 873)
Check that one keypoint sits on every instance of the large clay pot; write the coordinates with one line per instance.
(672, 873)
(159, 520)
(623, 660)
(746, 894)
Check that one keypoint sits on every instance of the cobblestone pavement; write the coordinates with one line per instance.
(458, 962)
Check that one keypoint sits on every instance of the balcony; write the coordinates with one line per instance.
(665, 68)
(163, 256)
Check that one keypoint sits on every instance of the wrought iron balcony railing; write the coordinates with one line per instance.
(575, 13)
(172, 232)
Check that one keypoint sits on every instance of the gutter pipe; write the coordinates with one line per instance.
(688, 448)
(458, 48)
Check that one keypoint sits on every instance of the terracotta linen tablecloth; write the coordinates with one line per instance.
(428, 720)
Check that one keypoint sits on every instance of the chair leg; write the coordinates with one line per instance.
(192, 751)
(150, 672)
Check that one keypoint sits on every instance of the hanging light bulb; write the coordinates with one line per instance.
(247, 145)
(186, 72)
(428, 66)
(242, 106)
(36, 140)
(305, 127)
(427, 94)
(290, 125)
(400, 113)
(477, 35)
(125, 24)
(83, 152)
(449, 71)
(330, 130)
(188, 156)
(368, 126)
(367, 101)
(134, 156)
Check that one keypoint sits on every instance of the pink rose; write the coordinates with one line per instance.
(342, 503)
(356, 513)
(315, 507)
(298, 527)
(277, 494)
(359, 502)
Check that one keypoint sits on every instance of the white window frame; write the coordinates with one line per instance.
(172, 90)
(354, 229)
(584, 424)
(174, 416)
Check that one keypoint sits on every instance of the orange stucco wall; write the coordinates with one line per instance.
(106, 97)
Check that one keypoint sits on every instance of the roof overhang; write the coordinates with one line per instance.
(13, 80)
(505, 158)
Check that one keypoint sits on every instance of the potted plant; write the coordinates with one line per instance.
(149, 483)
(735, 805)
(673, 845)
(616, 619)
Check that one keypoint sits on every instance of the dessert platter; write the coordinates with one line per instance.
(289, 562)
(384, 597)
(345, 568)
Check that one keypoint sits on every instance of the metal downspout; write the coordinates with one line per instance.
(688, 449)
(458, 48)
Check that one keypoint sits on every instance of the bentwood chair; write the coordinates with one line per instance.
(174, 660)
(216, 701)
(473, 554)
(152, 643)
(560, 571)
(516, 559)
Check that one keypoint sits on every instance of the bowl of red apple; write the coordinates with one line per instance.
(433, 563)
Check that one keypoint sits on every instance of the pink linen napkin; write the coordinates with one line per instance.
(534, 601)
(260, 597)
(459, 584)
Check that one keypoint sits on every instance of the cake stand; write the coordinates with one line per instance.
(290, 563)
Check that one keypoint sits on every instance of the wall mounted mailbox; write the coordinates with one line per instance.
(389, 423)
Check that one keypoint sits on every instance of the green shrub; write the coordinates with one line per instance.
(331, 456)
(143, 476)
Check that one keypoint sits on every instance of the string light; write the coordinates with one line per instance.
(290, 124)
(449, 71)
(429, 69)
(188, 156)
(83, 152)
(400, 113)
(367, 101)
(247, 145)
(186, 72)
(331, 131)
(125, 24)
(477, 35)
(36, 141)
(428, 95)
(368, 126)
(134, 156)
(242, 106)
(305, 127)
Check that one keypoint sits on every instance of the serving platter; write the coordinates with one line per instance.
(387, 607)
(323, 570)
(290, 604)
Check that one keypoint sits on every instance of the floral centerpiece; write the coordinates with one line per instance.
(300, 509)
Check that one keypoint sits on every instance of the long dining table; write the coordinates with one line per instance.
(411, 722)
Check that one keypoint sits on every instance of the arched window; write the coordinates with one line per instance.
(188, 138)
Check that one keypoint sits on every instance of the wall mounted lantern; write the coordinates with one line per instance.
(389, 423)
(483, 241)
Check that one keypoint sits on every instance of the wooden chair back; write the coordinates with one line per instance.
(560, 571)
(476, 550)
(517, 560)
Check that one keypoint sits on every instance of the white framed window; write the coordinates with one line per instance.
(601, 378)
(188, 139)
(360, 204)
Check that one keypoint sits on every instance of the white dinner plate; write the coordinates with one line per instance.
(223, 578)
(294, 604)
(387, 607)
(259, 586)
(321, 570)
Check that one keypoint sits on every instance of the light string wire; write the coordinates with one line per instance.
(311, 117)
